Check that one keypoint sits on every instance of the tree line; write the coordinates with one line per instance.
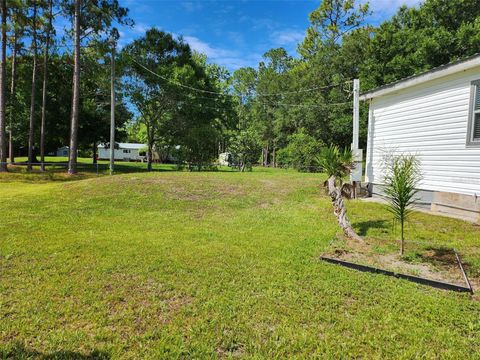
(313, 108)
(55, 77)
(181, 106)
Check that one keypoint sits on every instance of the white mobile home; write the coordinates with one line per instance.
(122, 151)
(435, 115)
(62, 151)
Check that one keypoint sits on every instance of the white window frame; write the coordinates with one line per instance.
(471, 142)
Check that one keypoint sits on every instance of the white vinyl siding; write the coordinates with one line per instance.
(119, 154)
(430, 120)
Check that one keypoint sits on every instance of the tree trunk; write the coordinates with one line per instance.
(340, 211)
(402, 243)
(94, 152)
(149, 157)
(274, 158)
(3, 137)
(72, 158)
(265, 155)
(112, 110)
(150, 141)
(44, 87)
(13, 88)
(31, 130)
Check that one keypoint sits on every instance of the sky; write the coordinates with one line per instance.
(236, 33)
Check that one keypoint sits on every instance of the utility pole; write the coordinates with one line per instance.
(112, 109)
(356, 113)
(356, 174)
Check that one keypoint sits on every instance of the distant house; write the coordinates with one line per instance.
(123, 151)
(435, 115)
(62, 151)
(224, 158)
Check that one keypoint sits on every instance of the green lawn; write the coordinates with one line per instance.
(213, 264)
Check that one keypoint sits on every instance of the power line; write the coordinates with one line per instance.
(177, 83)
(306, 90)
(225, 94)
(312, 105)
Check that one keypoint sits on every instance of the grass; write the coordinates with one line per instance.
(212, 264)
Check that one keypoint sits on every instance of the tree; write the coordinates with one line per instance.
(270, 85)
(72, 155)
(48, 31)
(3, 138)
(330, 22)
(402, 176)
(245, 147)
(337, 165)
(301, 152)
(18, 24)
(90, 18)
(31, 131)
(175, 95)
(156, 53)
(419, 38)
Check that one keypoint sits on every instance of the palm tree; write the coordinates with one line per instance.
(402, 176)
(337, 165)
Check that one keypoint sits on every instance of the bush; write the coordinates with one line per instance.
(245, 147)
(301, 153)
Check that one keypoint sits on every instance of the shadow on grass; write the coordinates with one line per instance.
(56, 171)
(19, 351)
(439, 255)
(363, 226)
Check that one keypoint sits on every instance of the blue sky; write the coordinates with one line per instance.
(235, 33)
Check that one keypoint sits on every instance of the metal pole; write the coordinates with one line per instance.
(356, 126)
(112, 112)
(356, 113)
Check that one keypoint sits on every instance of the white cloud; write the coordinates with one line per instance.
(204, 48)
(140, 28)
(191, 6)
(389, 7)
(287, 37)
(231, 59)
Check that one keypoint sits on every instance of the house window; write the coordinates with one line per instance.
(126, 151)
(474, 118)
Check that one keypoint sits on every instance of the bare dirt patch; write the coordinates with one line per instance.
(438, 264)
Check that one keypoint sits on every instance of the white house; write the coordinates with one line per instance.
(62, 151)
(123, 151)
(435, 115)
(224, 158)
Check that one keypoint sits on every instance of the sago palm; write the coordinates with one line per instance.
(337, 165)
(402, 176)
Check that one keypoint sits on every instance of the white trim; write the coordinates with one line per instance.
(471, 142)
(421, 78)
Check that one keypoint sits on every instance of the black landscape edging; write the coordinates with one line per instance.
(464, 274)
(416, 279)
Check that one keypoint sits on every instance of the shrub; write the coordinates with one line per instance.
(301, 153)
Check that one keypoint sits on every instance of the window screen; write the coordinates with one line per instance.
(476, 115)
